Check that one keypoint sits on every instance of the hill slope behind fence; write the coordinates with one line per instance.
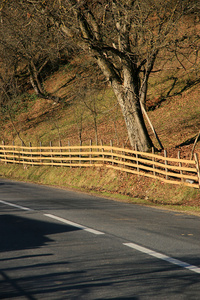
(166, 169)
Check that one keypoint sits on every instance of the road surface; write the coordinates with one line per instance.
(59, 244)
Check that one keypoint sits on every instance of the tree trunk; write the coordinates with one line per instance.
(133, 117)
(127, 94)
(35, 81)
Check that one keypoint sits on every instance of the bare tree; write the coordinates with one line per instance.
(125, 37)
(29, 43)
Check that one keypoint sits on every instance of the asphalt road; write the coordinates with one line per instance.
(59, 244)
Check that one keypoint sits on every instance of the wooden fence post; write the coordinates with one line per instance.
(111, 144)
(153, 159)
(180, 165)
(51, 150)
(3, 142)
(69, 154)
(90, 151)
(123, 153)
(137, 162)
(197, 166)
(14, 152)
(80, 154)
(30, 145)
(102, 150)
(60, 145)
(40, 152)
(22, 152)
(166, 170)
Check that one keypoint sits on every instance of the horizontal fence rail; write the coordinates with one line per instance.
(166, 169)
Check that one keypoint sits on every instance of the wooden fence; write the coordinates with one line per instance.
(166, 169)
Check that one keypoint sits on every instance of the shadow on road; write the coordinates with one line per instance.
(20, 233)
(84, 271)
(34, 264)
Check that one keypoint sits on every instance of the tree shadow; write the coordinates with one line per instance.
(17, 233)
(127, 280)
(188, 141)
(189, 83)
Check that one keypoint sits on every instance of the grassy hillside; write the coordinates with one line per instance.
(173, 107)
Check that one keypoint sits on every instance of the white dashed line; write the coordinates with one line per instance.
(15, 205)
(169, 259)
(56, 218)
(74, 224)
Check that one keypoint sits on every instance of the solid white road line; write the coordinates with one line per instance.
(74, 224)
(15, 205)
(169, 259)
